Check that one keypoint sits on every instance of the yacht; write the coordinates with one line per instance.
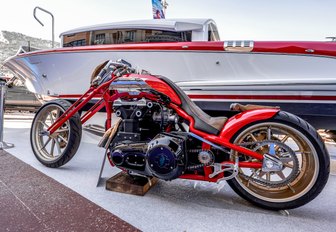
(297, 76)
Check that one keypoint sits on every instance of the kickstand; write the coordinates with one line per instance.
(102, 168)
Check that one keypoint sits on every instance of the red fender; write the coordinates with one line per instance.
(160, 86)
(240, 120)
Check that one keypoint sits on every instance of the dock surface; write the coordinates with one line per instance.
(178, 205)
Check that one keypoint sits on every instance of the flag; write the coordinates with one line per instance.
(157, 9)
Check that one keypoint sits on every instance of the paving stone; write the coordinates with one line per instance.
(32, 201)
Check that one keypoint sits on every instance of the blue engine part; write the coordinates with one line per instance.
(165, 156)
(161, 159)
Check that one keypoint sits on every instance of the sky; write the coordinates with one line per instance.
(235, 19)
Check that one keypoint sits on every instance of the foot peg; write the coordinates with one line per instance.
(222, 167)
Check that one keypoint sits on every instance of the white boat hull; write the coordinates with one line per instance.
(212, 78)
(69, 73)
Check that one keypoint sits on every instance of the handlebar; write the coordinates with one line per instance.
(112, 68)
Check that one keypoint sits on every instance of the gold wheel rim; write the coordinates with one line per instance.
(308, 164)
(50, 147)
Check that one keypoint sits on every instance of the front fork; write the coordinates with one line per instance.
(109, 111)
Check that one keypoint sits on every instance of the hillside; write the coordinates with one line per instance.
(10, 42)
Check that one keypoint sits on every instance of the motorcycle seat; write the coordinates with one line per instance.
(203, 122)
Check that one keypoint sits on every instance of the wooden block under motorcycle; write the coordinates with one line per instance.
(124, 183)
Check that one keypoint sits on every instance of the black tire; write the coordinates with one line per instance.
(73, 135)
(315, 186)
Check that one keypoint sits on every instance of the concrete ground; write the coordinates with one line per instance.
(179, 205)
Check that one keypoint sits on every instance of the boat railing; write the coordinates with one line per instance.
(25, 49)
(52, 22)
(3, 90)
(332, 38)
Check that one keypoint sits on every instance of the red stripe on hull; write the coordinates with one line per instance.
(264, 97)
(175, 46)
(282, 47)
(242, 97)
(296, 47)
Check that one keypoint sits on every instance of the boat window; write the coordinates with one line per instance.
(213, 32)
(75, 43)
(75, 40)
(100, 39)
(122, 36)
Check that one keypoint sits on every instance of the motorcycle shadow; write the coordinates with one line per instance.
(201, 195)
(187, 193)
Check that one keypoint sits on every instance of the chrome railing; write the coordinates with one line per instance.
(52, 22)
(3, 90)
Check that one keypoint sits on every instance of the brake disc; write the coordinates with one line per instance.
(285, 154)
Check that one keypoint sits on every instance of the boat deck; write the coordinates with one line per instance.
(179, 205)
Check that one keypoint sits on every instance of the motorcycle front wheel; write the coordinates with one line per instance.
(305, 163)
(57, 149)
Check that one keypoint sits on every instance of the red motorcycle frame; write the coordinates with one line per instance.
(232, 125)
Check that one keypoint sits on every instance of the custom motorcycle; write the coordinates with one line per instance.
(269, 157)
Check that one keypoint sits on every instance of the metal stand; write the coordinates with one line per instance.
(3, 90)
(102, 168)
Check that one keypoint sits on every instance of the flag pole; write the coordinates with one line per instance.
(164, 5)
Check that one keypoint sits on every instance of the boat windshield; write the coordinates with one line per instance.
(213, 33)
(123, 36)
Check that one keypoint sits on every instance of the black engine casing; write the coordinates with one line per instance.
(163, 157)
(166, 156)
(141, 147)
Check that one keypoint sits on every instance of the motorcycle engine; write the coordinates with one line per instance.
(166, 156)
(141, 147)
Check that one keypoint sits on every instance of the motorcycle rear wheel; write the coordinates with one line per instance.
(302, 178)
(55, 150)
